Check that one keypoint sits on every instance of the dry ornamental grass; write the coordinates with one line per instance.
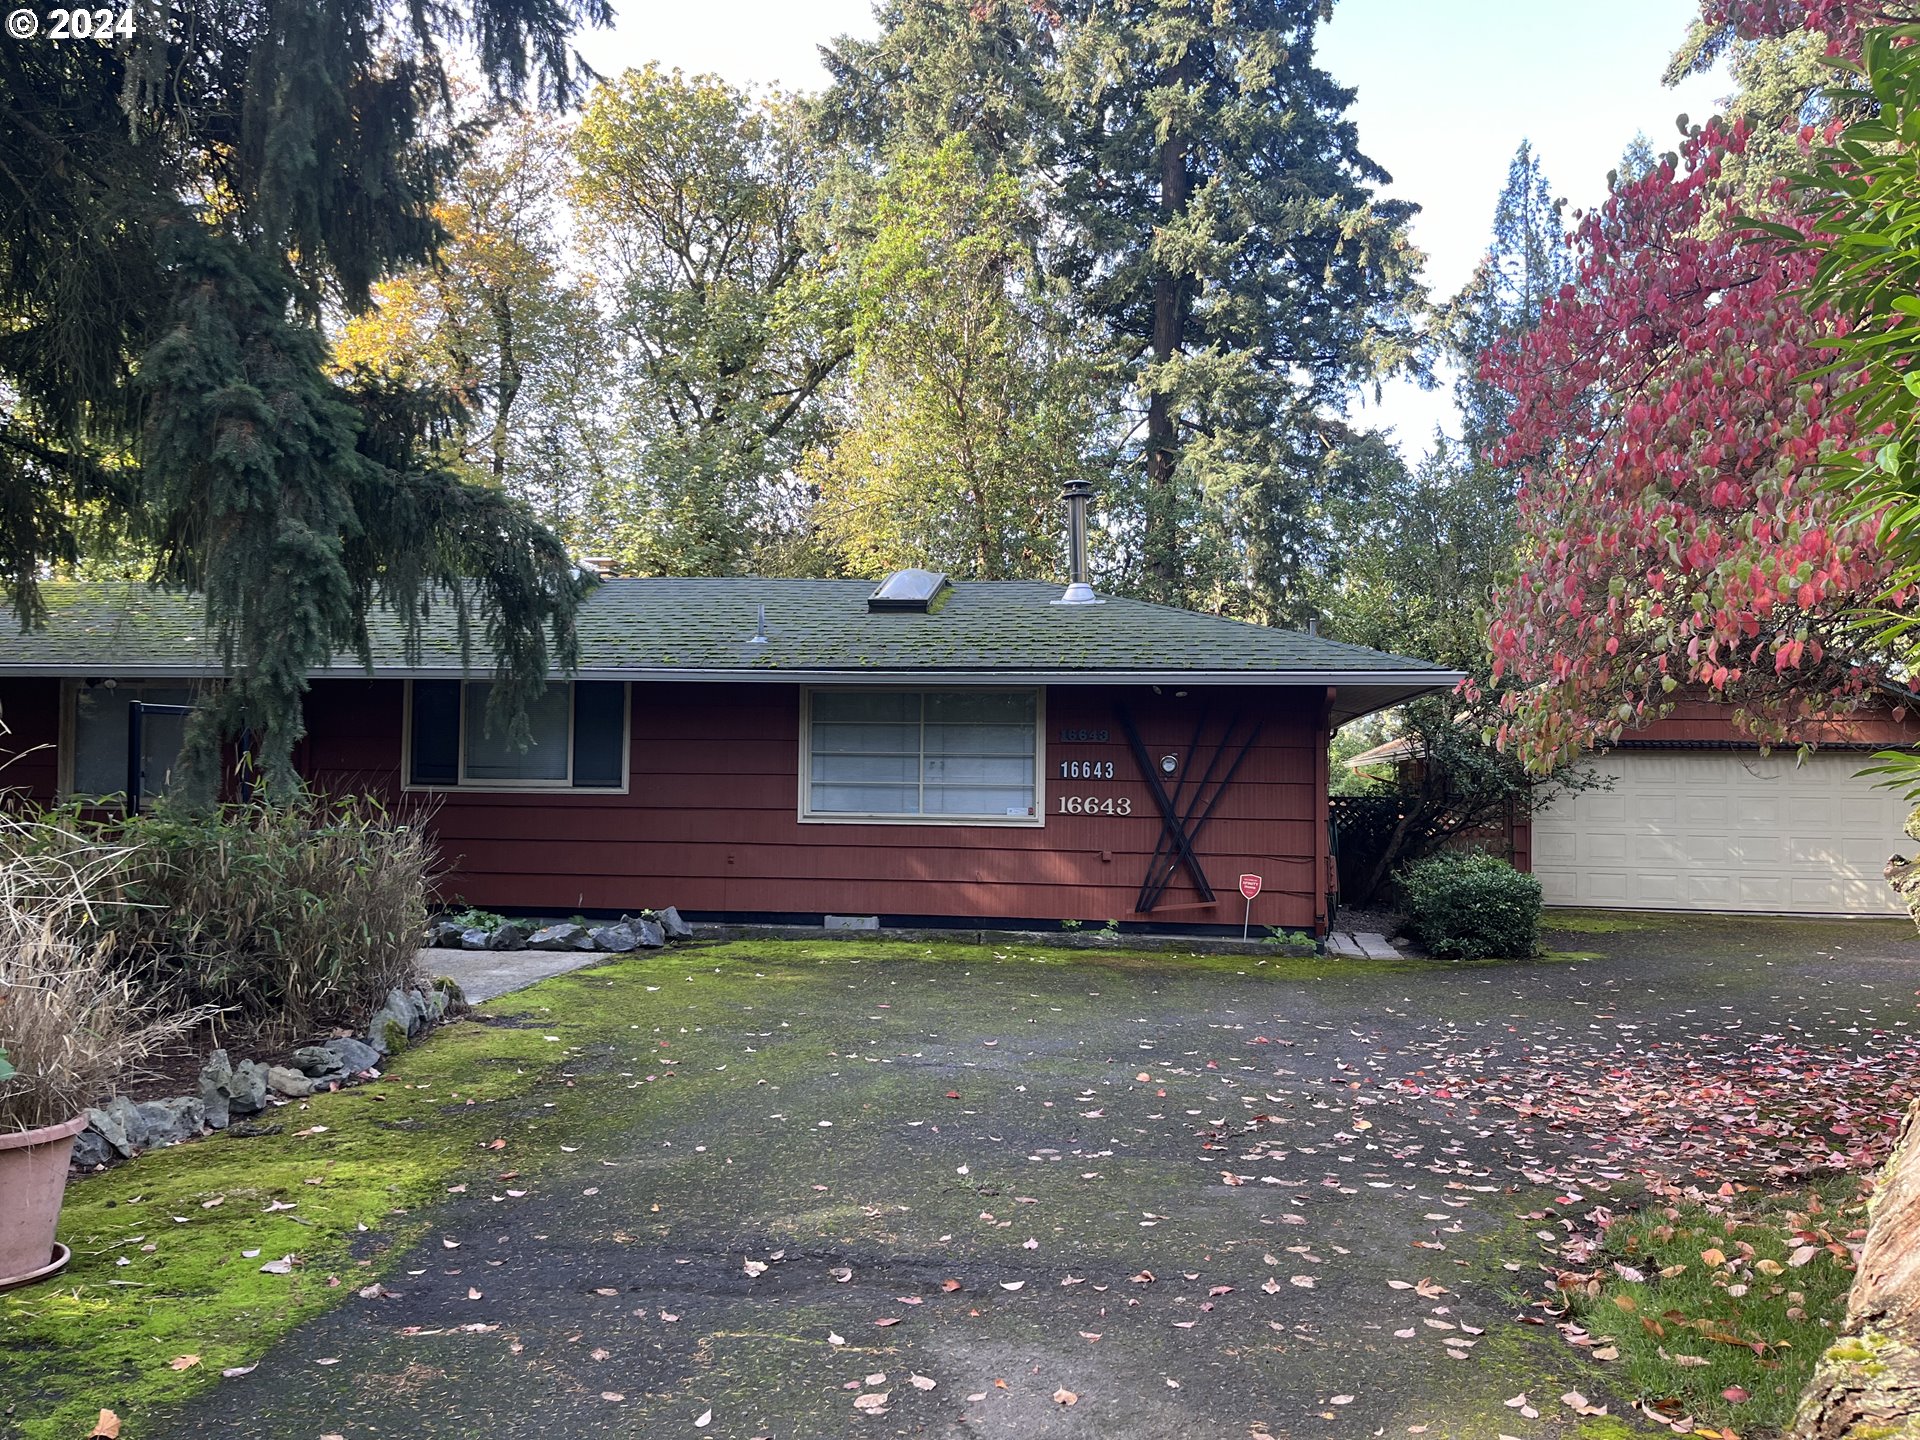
(70, 1026)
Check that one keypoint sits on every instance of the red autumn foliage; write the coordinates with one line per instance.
(1675, 532)
(1841, 21)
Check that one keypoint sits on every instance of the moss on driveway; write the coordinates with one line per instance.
(1172, 1188)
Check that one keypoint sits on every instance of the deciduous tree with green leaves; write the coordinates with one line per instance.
(695, 201)
(1422, 552)
(1860, 189)
(499, 320)
(968, 409)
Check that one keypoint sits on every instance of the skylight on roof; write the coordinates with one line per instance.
(911, 590)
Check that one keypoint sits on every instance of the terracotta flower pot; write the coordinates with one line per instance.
(33, 1177)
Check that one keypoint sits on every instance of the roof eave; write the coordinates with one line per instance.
(1404, 682)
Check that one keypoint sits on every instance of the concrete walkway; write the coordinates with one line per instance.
(485, 974)
(1360, 945)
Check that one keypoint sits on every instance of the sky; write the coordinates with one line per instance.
(1446, 91)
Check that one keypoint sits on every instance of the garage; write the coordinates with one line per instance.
(1723, 829)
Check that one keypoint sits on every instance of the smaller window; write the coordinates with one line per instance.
(577, 738)
(98, 745)
(491, 754)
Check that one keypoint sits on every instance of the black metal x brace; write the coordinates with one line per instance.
(1171, 828)
(1180, 829)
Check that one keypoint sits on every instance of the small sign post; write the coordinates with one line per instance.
(1249, 887)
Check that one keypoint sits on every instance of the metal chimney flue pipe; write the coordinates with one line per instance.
(1077, 493)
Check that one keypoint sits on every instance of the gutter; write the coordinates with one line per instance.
(1412, 680)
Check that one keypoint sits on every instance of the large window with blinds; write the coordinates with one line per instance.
(927, 756)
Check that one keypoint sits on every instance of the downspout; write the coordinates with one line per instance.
(1325, 884)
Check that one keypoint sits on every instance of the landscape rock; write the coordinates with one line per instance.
(91, 1148)
(148, 1123)
(475, 939)
(216, 1089)
(671, 923)
(353, 1055)
(389, 1027)
(248, 1093)
(130, 1126)
(652, 936)
(317, 1062)
(445, 934)
(565, 936)
(122, 1128)
(110, 1124)
(290, 1083)
(448, 989)
(409, 1005)
(617, 939)
(510, 935)
(177, 1119)
(387, 1031)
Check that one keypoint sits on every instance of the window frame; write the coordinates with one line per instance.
(462, 785)
(69, 731)
(808, 816)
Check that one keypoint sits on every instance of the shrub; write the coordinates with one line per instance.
(70, 1024)
(1468, 905)
(475, 919)
(1290, 942)
(283, 916)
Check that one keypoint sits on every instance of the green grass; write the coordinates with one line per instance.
(1723, 1306)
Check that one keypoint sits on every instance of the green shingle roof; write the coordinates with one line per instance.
(817, 630)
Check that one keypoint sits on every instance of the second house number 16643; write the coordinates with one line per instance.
(1095, 805)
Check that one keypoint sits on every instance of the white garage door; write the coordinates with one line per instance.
(1723, 830)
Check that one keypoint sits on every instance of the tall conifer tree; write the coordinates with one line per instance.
(1200, 187)
(1526, 263)
(1222, 222)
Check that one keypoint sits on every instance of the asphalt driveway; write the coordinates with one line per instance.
(812, 1191)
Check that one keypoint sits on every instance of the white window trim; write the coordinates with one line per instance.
(69, 740)
(463, 786)
(1035, 821)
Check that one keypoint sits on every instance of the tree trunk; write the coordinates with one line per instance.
(1171, 294)
(507, 388)
(1868, 1383)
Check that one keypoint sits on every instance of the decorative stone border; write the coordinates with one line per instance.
(229, 1094)
(649, 930)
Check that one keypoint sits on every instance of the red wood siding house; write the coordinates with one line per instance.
(973, 761)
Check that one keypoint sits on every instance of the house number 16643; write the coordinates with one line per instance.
(1095, 805)
(1086, 769)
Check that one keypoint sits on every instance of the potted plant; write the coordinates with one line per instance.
(33, 1177)
(70, 1027)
